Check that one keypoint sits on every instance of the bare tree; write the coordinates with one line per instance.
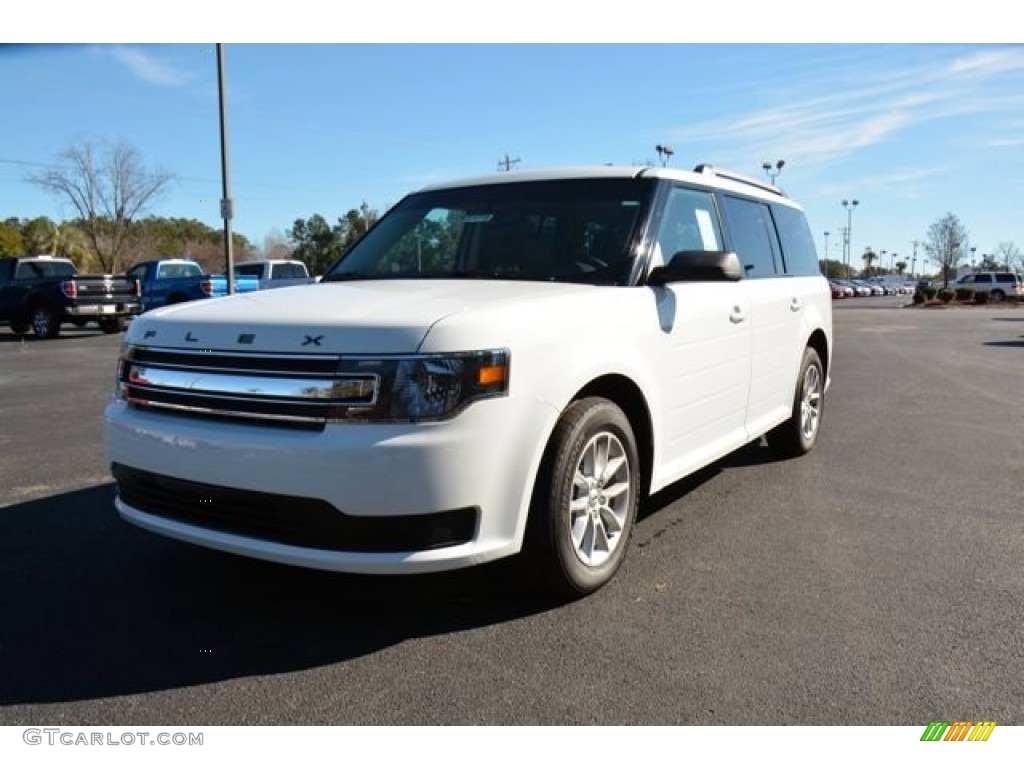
(275, 246)
(108, 186)
(1009, 254)
(946, 244)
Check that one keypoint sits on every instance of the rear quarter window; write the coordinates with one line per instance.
(799, 255)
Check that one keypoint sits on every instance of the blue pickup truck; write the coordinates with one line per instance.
(172, 281)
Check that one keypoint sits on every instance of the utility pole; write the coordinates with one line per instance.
(226, 206)
(507, 162)
(913, 261)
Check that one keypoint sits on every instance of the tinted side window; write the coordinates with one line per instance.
(799, 255)
(249, 270)
(983, 278)
(752, 232)
(1004, 277)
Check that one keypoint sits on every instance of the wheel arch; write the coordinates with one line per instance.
(625, 393)
(819, 343)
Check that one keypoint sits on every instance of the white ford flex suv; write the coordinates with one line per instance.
(502, 365)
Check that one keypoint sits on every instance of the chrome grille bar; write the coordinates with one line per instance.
(305, 391)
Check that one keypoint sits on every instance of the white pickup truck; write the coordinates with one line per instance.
(501, 365)
(274, 273)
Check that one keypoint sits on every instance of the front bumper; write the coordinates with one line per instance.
(434, 496)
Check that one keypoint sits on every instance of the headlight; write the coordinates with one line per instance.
(429, 387)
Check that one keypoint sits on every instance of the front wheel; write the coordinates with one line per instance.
(585, 499)
(798, 434)
(998, 295)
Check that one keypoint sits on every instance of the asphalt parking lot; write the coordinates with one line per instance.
(877, 580)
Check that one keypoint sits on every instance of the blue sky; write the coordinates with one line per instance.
(912, 131)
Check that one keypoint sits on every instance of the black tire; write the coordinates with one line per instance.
(111, 324)
(997, 295)
(19, 328)
(798, 434)
(575, 518)
(45, 322)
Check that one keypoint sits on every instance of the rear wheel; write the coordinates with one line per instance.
(998, 295)
(45, 323)
(798, 434)
(585, 499)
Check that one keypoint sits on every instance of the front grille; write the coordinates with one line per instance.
(294, 520)
(290, 390)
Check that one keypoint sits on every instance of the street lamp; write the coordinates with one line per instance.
(974, 250)
(881, 259)
(773, 171)
(849, 206)
(826, 245)
(664, 153)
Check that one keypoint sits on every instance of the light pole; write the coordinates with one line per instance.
(974, 250)
(664, 153)
(826, 245)
(881, 259)
(892, 261)
(849, 205)
(226, 204)
(773, 171)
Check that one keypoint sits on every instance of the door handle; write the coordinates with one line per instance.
(795, 304)
(738, 315)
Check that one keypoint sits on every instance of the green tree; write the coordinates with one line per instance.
(11, 241)
(989, 263)
(869, 258)
(900, 267)
(831, 268)
(315, 243)
(37, 234)
(109, 187)
(354, 224)
(946, 244)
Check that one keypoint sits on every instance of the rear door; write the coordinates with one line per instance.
(775, 304)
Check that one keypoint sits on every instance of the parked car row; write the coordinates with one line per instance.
(842, 289)
(43, 292)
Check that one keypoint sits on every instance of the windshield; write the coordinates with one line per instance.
(578, 231)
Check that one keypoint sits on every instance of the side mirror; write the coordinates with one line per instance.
(698, 267)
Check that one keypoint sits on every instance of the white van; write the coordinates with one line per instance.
(501, 365)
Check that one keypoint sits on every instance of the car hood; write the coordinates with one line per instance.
(359, 317)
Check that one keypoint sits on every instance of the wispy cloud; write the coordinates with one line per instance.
(859, 106)
(147, 67)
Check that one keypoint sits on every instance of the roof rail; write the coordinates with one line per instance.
(709, 169)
